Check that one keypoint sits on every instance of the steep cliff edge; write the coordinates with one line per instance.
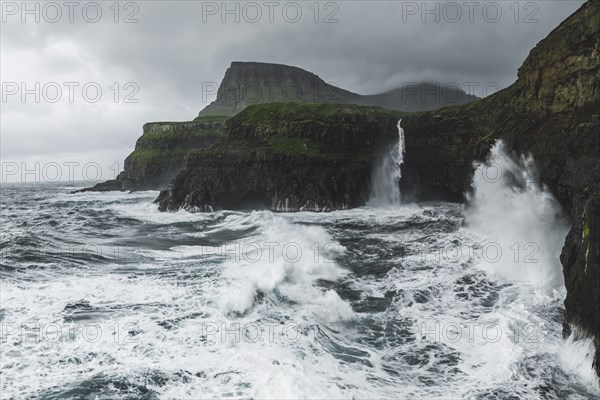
(160, 153)
(287, 157)
(251, 83)
(551, 111)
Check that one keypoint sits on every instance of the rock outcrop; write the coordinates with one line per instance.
(160, 153)
(287, 157)
(250, 83)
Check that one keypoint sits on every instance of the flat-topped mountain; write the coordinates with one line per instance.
(248, 83)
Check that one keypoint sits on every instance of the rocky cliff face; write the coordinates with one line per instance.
(160, 153)
(552, 112)
(287, 157)
(248, 83)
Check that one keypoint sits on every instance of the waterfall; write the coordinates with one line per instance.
(520, 219)
(386, 176)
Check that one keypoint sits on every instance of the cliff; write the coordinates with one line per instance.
(250, 83)
(551, 111)
(287, 157)
(160, 153)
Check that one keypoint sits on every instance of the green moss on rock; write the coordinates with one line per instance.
(282, 115)
(162, 132)
(157, 155)
(211, 118)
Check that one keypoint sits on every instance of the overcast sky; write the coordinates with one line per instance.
(160, 53)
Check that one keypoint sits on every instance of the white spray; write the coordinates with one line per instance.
(386, 177)
(520, 219)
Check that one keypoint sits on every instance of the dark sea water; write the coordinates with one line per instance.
(104, 297)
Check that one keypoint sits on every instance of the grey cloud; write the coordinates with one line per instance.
(171, 52)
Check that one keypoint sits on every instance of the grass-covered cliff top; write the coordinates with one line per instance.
(203, 118)
(162, 132)
(164, 140)
(313, 130)
(273, 114)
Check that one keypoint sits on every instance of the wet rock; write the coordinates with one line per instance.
(287, 157)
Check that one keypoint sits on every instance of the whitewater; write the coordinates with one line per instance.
(104, 297)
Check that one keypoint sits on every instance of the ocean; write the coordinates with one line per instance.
(104, 297)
